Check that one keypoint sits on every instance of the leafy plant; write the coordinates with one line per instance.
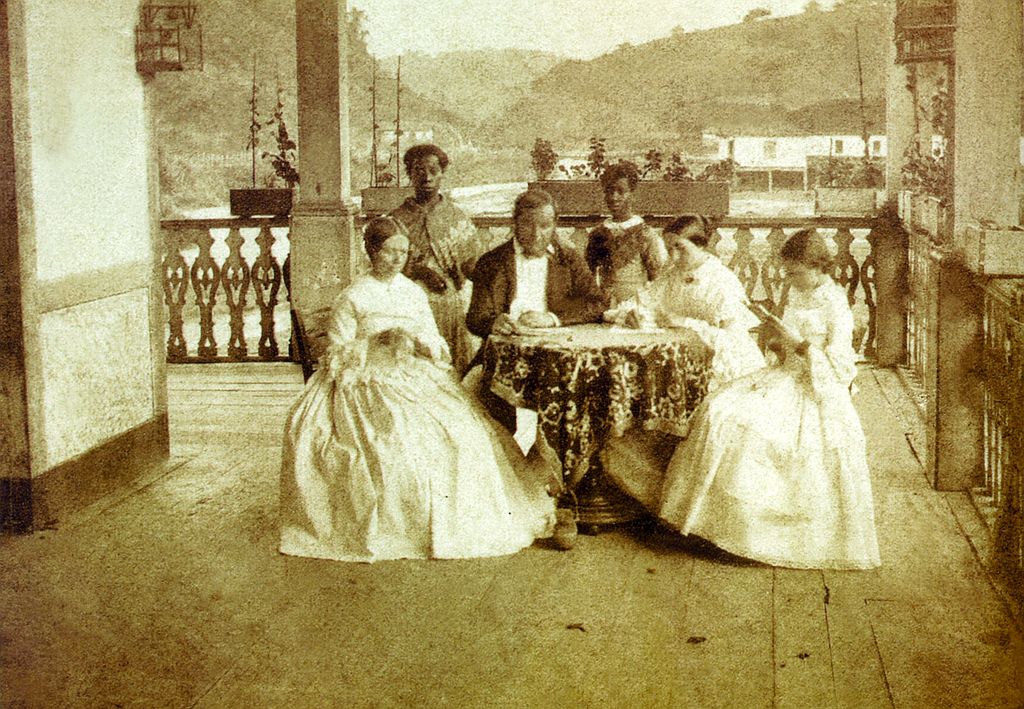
(928, 172)
(253, 144)
(677, 170)
(284, 169)
(597, 158)
(544, 158)
(652, 164)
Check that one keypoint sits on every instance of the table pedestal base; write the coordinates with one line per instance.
(601, 502)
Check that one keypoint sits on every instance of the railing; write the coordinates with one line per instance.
(224, 279)
(209, 268)
(1002, 486)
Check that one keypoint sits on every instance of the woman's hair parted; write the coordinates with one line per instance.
(377, 231)
(808, 247)
(681, 223)
(423, 150)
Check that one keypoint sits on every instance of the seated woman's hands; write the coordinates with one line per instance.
(536, 318)
(399, 342)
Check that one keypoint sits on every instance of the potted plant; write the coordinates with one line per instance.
(845, 185)
(662, 190)
(385, 191)
(269, 200)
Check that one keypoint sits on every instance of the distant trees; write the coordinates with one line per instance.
(678, 31)
(756, 14)
(812, 6)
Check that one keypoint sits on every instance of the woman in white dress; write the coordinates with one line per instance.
(385, 456)
(775, 468)
(700, 293)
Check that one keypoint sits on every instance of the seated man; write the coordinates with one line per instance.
(530, 281)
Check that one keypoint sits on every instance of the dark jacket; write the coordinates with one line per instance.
(572, 293)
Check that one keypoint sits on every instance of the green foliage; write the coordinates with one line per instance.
(282, 160)
(543, 158)
(596, 158)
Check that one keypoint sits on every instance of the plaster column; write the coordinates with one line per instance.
(987, 113)
(891, 240)
(15, 461)
(324, 252)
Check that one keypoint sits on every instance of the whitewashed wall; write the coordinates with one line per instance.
(86, 227)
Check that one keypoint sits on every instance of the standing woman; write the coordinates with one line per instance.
(775, 466)
(442, 248)
(623, 253)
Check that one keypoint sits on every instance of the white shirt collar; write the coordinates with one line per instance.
(633, 221)
(519, 251)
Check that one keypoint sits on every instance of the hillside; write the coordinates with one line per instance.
(789, 74)
(477, 85)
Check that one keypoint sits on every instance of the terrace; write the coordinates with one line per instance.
(163, 586)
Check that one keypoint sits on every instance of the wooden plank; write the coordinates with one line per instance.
(857, 671)
(943, 653)
(802, 656)
(730, 606)
(551, 642)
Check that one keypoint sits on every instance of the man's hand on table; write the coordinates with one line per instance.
(504, 325)
(536, 319)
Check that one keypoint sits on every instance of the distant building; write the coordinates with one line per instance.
(777, 162)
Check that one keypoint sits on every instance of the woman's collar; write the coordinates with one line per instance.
(633, 221)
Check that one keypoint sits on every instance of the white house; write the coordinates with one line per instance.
(780, 161)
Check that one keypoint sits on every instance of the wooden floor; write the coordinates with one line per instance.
(172, 594)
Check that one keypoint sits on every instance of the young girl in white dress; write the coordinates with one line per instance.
(774, 467)
(385, 455)
(700, 293)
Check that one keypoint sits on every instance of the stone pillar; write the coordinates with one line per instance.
(324, 252)
(15, 464)
(986, 159)
(899, 117)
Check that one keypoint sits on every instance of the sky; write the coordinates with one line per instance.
(574, 28)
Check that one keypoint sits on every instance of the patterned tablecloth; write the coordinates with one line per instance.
(590, 382)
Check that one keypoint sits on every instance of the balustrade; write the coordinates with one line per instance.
(1002, 484)
(223, 278)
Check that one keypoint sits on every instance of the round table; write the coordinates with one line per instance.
(590, 382)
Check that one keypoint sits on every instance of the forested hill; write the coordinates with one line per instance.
(787, 74)
(477, 85)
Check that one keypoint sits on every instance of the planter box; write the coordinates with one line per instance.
(845, 201)
(269, 202)
(994, 252)
(381, 200)
(928, 214)
(655, 197)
